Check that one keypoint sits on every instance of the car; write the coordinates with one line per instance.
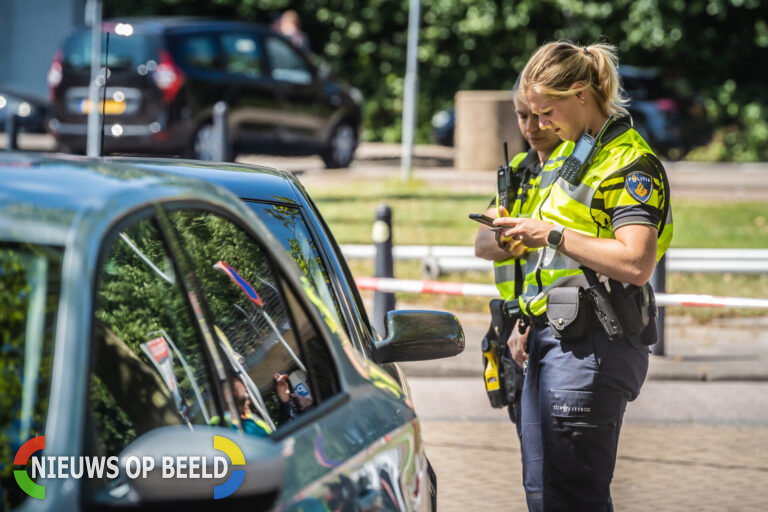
(166, 75)
(278, 198)
(671, 124)
(151, 315)
(31, 112)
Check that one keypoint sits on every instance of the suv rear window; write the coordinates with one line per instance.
(30, 278)
(125, 52)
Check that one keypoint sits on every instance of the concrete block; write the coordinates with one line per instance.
(484, 120)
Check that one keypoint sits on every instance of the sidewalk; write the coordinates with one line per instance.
(725, 349)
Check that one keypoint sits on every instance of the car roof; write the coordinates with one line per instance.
(44, 197)
(158, 25)
(250, 182)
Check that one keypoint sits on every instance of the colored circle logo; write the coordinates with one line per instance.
(238, 475)
(21, 475)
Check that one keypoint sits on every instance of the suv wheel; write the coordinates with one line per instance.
(341, 149)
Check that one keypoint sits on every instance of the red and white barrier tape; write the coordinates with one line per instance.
(387, 285)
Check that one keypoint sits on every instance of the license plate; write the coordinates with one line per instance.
(113, 108)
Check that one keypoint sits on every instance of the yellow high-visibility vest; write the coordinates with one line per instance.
(523, 201)
(624, 178)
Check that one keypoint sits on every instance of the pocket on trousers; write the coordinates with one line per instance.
(582, 439)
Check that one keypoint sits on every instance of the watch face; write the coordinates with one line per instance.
(554, 237)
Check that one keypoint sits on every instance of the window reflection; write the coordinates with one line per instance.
(255, 327)
(148, 367)
(287, 224)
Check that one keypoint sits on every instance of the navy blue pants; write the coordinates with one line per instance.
(573, 404)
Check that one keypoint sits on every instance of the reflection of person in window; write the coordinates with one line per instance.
(290, 404)
(252, 424)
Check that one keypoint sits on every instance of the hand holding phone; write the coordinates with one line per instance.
(483, 219)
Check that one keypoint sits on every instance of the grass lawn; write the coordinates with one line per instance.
(433, 216)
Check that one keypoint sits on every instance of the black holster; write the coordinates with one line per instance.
(624, 312)
(503, 320)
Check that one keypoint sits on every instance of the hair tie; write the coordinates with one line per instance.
(586, 50)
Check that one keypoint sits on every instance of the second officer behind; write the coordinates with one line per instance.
(599, 231)
(522, 195)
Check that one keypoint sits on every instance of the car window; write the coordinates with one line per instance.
(242, 54)
(287, 64)
(286, 367)
(148, 366)
(125, 52)
(197, 51)
(286, 223)
(30, 278)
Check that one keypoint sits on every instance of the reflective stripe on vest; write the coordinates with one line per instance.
(504, 271)
(582, 208)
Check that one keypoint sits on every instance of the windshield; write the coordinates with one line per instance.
(30, 278)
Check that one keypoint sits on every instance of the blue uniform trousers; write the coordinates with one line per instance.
(573, 403)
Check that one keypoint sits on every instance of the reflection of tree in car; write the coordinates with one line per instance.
(135, 298)
(209, 239)
(127, 389)
(304, 253)
(27, 270)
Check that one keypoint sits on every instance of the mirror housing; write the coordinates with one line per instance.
(419, 336)
(264, 467)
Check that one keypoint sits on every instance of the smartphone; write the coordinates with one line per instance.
(483, 219)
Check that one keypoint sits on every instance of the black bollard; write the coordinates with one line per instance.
(382, 239)
(659, 283)
(12, 126)
(220, 151)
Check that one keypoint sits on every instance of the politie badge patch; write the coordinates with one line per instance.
(639, 185)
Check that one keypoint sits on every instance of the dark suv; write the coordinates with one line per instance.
(167, 74)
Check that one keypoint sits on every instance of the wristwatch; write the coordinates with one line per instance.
(555, 237)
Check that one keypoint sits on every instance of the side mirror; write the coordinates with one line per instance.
(198, 467)
(419, 336)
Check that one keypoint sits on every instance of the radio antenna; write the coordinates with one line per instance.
(104, 96)
(506, 155)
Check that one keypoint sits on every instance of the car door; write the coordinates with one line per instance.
(306, 111)
(150, 365)
(349, 435)
(253, 107)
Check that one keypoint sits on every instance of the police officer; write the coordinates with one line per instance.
(605, 218)
(504, 251)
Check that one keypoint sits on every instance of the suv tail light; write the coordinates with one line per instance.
(54, 75)
(168, 77)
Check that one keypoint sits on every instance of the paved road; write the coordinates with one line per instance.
(685, 446)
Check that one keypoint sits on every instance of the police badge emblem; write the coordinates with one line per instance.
(639, 185)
